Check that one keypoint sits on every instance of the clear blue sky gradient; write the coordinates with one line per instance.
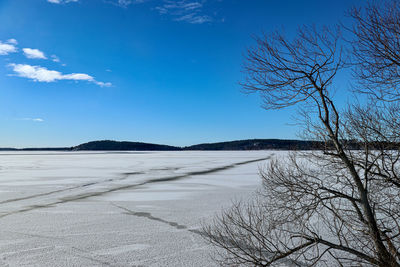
(174, 80)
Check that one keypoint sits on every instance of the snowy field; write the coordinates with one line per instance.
(117, 209)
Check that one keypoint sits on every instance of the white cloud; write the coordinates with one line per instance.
(12, 41)
(103, 84)
(36, 73)
(55, 58)
(41, 74)
(34, 53)
(7, 48)
(78, 77)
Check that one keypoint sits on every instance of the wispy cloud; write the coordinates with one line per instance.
(34, 53)
(32, 119)
(8, 47)
(193, 18)
(41, 74)
(183, 10)
(121, 3)
(55, 58)
(125, 3)
(190, 11)
(61, 1)
(12, 41)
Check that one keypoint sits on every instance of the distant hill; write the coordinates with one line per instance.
(251, 144)
(256, 144)
(124, 146)
(7, 149)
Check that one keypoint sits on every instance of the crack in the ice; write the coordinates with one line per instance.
(34, 235)
(149, 216)
(130, 186)
(126, 175)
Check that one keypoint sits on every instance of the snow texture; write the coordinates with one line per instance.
(117, 208)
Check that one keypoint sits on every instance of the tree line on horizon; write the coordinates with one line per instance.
(249, 144)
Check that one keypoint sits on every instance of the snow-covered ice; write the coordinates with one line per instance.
(117, 208)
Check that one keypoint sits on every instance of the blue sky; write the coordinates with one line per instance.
(158, 71)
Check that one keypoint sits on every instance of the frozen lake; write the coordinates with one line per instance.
(117, 209)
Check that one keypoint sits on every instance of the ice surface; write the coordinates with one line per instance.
(117, 208)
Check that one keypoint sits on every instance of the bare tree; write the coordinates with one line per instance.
(336, 206)
(376, 49)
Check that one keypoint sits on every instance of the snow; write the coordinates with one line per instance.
(117, 208)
